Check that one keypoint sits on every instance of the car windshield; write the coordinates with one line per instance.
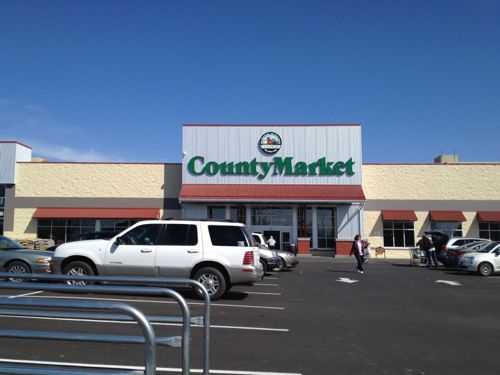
(7, 244)
(489, 247)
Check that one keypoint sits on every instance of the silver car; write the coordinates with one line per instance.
(485, 261)
(287, 260)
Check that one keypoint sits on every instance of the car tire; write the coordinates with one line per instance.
(213, 280)
(280, 266)
(264, 265)
(18, 267)
(79, 268)
(485, 269)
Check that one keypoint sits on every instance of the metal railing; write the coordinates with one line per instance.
(141, 290)
(148, 338)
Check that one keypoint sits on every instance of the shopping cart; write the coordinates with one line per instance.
(417, 256)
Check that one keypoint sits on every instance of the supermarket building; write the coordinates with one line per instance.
(302, 184)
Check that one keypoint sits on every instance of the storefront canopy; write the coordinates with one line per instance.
(399, 215)
(489, 216)
(447, 216)
(95, 213)
(270, 193)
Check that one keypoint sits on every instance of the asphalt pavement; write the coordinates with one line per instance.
(320, 318)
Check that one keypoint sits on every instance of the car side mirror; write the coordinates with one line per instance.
(119, 241)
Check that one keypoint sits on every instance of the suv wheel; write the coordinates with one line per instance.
(78, 268)
(485, 269)
(213, 281)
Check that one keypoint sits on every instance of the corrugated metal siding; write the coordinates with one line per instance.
(10, 153)
(303, 143)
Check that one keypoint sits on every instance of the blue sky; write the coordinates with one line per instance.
(115, 80)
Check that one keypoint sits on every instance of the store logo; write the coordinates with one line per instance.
(270, 143)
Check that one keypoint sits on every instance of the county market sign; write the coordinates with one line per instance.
(269, 144)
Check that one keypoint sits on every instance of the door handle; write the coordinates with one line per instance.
(146, 250)
(193, 251)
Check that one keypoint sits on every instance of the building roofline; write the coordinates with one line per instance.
(16, 142)
(97, 162)
(437, 164)
(261, 125)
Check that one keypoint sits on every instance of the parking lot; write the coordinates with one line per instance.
(321, 318)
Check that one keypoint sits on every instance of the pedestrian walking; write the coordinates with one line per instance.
(357, 250)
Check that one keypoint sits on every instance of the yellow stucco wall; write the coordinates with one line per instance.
(428, 182)
(90, 180)
(432, 181)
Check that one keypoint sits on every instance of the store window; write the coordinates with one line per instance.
(217, 212)
(277, 216)
(451, 228)
(64, 230)
(326, 227)
(399, 234)
(115, 225)
(490, 230)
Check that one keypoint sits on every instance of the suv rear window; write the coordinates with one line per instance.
(228, 235)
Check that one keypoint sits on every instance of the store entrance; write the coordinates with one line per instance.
(282, 238)
(276, 235)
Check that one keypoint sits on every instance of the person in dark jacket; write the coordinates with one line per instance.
(426, 245)
(357, 250)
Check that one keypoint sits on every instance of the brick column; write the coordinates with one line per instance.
(304, 245)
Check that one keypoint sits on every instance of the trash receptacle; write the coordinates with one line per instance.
(293, 248)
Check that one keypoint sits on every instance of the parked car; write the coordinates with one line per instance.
(269, 259)
(286, 259)
(485, 261)
(445, 243)
(217, 254)
(15, 258)
(454, 255)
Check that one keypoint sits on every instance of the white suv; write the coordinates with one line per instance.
(217, 254)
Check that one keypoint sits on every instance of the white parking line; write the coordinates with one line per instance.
(259, 284)
(154, 323)
(141, 368)
(163, 302)
(263, 293)
(27, 294)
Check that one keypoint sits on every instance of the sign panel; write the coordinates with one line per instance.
(272, 154)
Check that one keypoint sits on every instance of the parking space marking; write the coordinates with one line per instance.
(244, 328)
(259, 284)
(27, 294)
(164, 302)
(264, 293)
(140, 368)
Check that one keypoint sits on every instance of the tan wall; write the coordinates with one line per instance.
(90, 180)
(432, 181)
(414, 185)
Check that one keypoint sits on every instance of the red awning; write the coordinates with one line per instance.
(447, 216)
(399, 215)
(96, 213)
(254, 192)
(489, 216)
